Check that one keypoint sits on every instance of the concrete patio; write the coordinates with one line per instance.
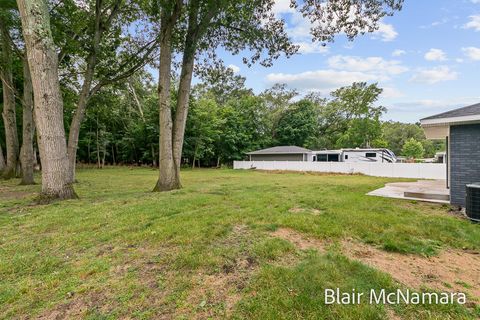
(421, 190)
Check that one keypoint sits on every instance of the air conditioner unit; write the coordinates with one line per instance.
(473, 202)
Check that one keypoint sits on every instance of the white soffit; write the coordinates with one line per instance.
(437, 132)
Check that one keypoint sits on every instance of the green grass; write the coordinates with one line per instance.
(123, 251)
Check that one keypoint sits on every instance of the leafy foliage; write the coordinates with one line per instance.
(298, 125)
(413, 149)
(351, 118)
(396, 134)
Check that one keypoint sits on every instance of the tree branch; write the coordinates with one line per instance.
(141, 62)
(114, 12)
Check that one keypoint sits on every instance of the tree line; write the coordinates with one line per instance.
(65, 61)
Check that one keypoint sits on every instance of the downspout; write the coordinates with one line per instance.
(447, 157)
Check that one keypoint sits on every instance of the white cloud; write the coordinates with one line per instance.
(414, 110)
(298, 29)
(320, 80)
(386, 32)
(398, 53)
(434, 75)
(436, 23)
(281, 7)
(435, 55)
(432, 105)
(370, 64)
(391, 92)
(474, 23)
(311, 47)
(343, 71)
(234, 68)
(472, 52)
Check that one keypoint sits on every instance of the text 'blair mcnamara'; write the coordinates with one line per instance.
(382, 296)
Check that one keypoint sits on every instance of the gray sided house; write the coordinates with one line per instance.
(283, 153)
(461, 130)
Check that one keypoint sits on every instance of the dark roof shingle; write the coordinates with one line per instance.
(281, 149)
(461, 112)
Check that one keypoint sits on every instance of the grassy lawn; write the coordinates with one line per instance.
(206, 251)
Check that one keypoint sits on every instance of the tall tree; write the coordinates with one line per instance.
(351, 118)
(237, 26)
(103, 18)
(209, 24)
(48, 104)
(169, 177)
(9, 113)
(28, 128)
(27, 158)
(102, 43)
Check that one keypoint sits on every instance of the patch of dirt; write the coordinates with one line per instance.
(149, 274)
(392, 315)
(222, 288)
(9, 195)
(300, 241)
(453, 267)
(215, 295)
(78, 307)
(314, 212)
(452, 270)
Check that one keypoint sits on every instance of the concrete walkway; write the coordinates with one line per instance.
(421, 190)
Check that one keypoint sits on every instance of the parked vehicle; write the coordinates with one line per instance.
(355, 155)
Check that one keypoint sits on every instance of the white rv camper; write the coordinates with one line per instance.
(354, 155)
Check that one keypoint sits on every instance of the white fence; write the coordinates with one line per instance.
(377, 169)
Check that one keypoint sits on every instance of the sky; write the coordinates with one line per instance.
(426, 58)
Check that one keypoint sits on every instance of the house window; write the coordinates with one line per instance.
(346, 157)
(322, 157)
(371, 155)
(333, 158)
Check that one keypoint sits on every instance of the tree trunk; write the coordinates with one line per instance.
(36, 165)
(169, 178)
(27, 159)
(154, 156)
(77, 119)
(104, 155)
(2, 160)
(8, 114)
(48, 104)
(76, 124)
(184, 86)
(182, 110)
(114, 162)
(98, 148)
(137, 101)
(88, 151)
